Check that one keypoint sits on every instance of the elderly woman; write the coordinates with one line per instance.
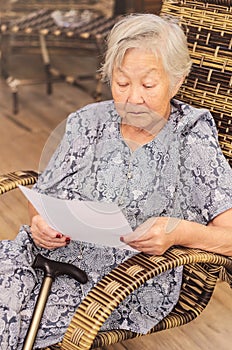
(154, 156)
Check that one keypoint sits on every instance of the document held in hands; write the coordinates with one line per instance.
(94, 222)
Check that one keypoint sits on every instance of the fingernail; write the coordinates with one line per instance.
(121, 239)
(58, 235)
(67, 240)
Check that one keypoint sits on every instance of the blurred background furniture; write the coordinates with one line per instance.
(70, 25)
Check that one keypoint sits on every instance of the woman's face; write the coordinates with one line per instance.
(141, 88)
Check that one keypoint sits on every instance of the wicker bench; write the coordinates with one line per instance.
(38, 28)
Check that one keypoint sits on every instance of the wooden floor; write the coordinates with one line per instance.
(22, 141)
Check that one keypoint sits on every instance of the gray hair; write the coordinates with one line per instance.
(162, 35)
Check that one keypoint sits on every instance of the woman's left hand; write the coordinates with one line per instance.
(154, 236)
(157, 234)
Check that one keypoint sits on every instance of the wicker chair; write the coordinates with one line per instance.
(208, 26)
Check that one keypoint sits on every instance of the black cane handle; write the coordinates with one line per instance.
(53, 269)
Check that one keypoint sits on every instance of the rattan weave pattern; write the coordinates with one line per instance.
(209, 84)
(84, 327)
(197, 288)
(11, 180)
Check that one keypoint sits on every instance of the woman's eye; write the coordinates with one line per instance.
(148, 86)
(122, 84)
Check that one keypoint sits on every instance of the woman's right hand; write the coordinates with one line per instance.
(46, 237)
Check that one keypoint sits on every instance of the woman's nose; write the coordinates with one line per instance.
(135, 95)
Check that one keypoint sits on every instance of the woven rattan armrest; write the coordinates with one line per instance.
(10, 181)
(200, 275)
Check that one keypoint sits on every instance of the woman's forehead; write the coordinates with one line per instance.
(139, 61)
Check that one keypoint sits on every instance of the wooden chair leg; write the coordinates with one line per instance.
(15, 102)
(46, 61)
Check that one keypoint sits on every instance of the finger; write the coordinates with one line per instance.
(141, 246)
(139, 232)
(50, 244)
(51, 236)
(48, 232)
(46, 237)
(149, 249)
(146, 237)
(40, 229)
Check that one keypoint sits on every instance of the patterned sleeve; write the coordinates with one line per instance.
(210, 173)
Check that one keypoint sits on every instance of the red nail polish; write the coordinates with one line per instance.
(58, 235)
(67, 240)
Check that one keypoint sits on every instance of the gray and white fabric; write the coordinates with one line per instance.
(181, 173)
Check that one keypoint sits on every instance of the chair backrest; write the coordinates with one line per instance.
(208, 26)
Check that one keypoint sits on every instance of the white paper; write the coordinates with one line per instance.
(94, 222)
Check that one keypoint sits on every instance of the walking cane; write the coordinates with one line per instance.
(51, 269)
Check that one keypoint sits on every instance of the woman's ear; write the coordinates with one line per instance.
(176, 87)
